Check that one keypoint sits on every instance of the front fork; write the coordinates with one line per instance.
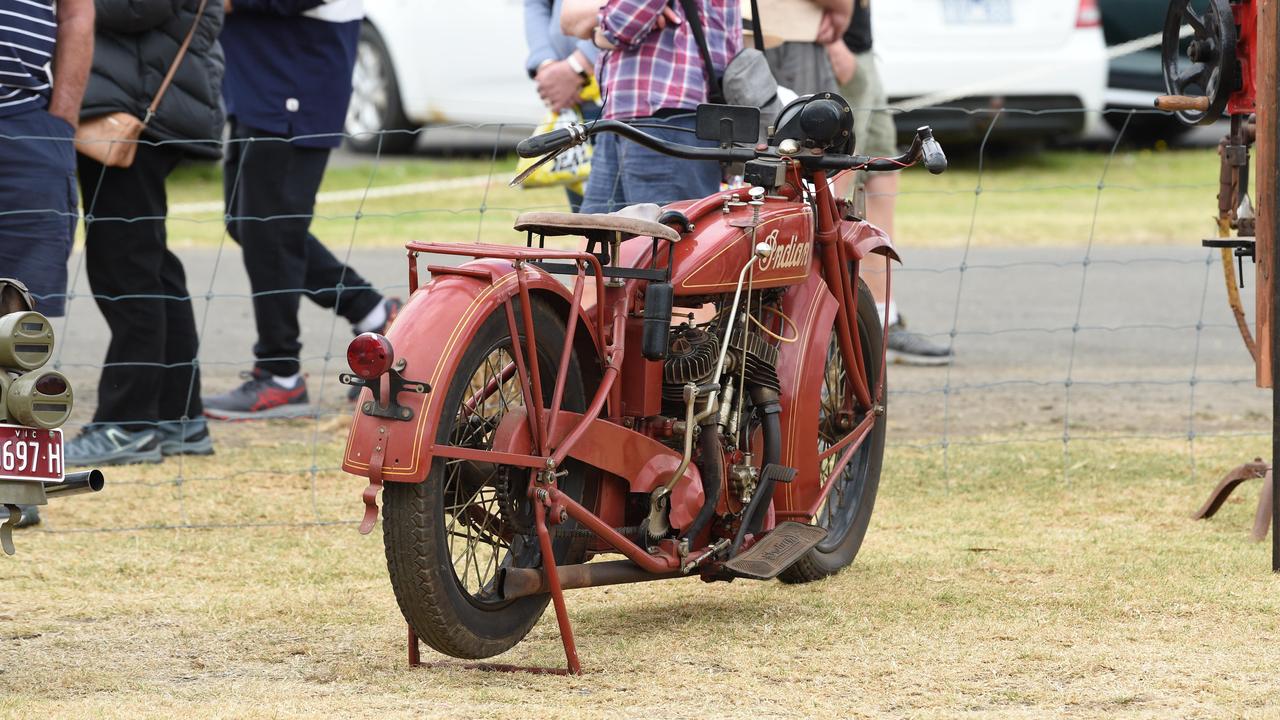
(835, 264)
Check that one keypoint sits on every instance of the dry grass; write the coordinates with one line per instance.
(1005, 591)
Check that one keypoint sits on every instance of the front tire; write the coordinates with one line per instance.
(847, 511)
(447, 537)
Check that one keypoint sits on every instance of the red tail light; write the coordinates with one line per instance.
(1088, 15)
(370, 355)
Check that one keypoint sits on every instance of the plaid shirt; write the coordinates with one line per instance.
(652, 69)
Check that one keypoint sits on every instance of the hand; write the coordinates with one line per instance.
(843, 62)
(226, 6)
(558, 85)
(832, 26)
(668, 17)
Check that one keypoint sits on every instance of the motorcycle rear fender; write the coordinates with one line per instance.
(430, 335)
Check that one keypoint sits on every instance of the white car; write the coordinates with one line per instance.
(940, 58)
(437, 62)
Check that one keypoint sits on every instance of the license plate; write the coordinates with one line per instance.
(30, 454)
(977, 12)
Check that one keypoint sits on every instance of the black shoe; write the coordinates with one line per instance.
(260, 397)
(30, 516)
(908, 348)
(185, 437)
(393, 306)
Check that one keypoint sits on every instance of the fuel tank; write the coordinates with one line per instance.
(708, 260)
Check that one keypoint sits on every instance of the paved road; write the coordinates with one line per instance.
(1131, 362)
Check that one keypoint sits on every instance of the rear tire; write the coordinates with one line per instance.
(428, 526)
(847, 511)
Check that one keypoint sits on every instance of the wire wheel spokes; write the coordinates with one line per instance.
(834, 410)
(485, 510)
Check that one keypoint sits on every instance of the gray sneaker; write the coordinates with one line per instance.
(908, 348)
(185, 437)
(112, 445)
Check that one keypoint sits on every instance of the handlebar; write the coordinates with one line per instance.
(923, 147)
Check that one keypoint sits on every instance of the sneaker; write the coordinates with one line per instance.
(908, 348)
(189, 437)
(259, 397)
(393, 306)
(30, 516)
(98, 445)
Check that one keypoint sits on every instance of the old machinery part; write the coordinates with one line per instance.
(691, 358)
(1209, 69)
(26, 341)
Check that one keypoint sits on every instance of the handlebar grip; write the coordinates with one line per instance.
(1181, 103)
(539, 145)
(935, 161)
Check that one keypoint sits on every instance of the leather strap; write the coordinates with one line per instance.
(177, 60)
(692, 17)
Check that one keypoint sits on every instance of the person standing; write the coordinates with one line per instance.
(855, 68)
(39, 112)
(149, 391)
(560, 66)
(289, 67)
(652, 71)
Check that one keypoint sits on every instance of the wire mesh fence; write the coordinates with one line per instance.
(1071, 286)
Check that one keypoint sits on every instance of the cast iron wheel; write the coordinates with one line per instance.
(375, 118)
(847, 510)
(1210, 67)
(448, 537)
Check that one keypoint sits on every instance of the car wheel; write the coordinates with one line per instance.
(375, 119)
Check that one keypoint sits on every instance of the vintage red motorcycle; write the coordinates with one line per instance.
(704, 396)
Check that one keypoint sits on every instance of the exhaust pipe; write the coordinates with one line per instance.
(522, 582)
(87, 481)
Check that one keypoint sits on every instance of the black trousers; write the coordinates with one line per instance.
(141, 289)
(270, 188)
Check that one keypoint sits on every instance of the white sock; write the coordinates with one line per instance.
(287, 382)
(376, 318)
(893, 311)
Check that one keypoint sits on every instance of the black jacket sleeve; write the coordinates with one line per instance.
(134, 16)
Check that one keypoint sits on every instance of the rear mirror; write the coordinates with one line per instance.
(727, 124)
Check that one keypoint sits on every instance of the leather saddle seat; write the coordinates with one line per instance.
(631, 221)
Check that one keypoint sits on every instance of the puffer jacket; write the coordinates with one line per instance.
(135, 43)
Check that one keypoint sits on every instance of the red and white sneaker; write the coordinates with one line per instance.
(260, 397)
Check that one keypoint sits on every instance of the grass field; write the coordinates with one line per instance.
(1020, 193)
(1003, 591)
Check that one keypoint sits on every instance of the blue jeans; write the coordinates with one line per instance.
(625, 173)
(38, 204)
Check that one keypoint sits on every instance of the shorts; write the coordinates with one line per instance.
(873, 129)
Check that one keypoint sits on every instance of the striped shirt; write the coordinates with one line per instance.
(27, 32)
(653, 69)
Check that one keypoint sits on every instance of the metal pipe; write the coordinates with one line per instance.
(523, 582)
(87, 481)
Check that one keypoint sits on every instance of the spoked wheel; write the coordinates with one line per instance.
(1209, 67)
(449, 538)
(847, 510)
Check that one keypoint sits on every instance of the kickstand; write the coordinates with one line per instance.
(1228, 484)
(557, 599)
(7, 524)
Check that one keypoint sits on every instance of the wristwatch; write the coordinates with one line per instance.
(577, 67)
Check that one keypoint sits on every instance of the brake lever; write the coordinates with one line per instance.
(532, 168)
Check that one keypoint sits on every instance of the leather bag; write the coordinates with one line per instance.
(112, 139)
